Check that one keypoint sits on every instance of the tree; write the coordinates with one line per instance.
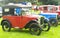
(51, 2)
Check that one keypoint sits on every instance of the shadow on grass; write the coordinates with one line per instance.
(20, 31)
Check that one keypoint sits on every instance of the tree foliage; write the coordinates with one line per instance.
(40, 2)
(51, 2)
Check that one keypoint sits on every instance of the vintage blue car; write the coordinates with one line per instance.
(52, 18)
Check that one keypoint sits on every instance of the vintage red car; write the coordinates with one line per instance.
(16, 16)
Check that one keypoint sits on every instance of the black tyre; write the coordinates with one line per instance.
(35, 29)
(58, 17)
(54, 22)
(6, 26)
(45, 26)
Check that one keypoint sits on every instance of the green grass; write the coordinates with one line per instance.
(17, 33)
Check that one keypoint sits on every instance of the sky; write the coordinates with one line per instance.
(1, 0)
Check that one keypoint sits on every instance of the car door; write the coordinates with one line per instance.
(15, 18)
(24, 19)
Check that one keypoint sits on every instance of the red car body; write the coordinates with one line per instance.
(19, 21)
(47, 8)
(54, 9)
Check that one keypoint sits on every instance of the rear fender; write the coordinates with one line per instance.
(28, 24)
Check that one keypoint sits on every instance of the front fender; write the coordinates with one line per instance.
(4, 20)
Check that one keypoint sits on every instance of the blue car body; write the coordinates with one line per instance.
(49, 15)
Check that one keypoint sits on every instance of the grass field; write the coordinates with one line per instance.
(17, 33)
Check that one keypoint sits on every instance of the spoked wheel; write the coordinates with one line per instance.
(45, 26)
(59, 21)
(54, 22)
(58, 17)
(35, 29)
(6, 26)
